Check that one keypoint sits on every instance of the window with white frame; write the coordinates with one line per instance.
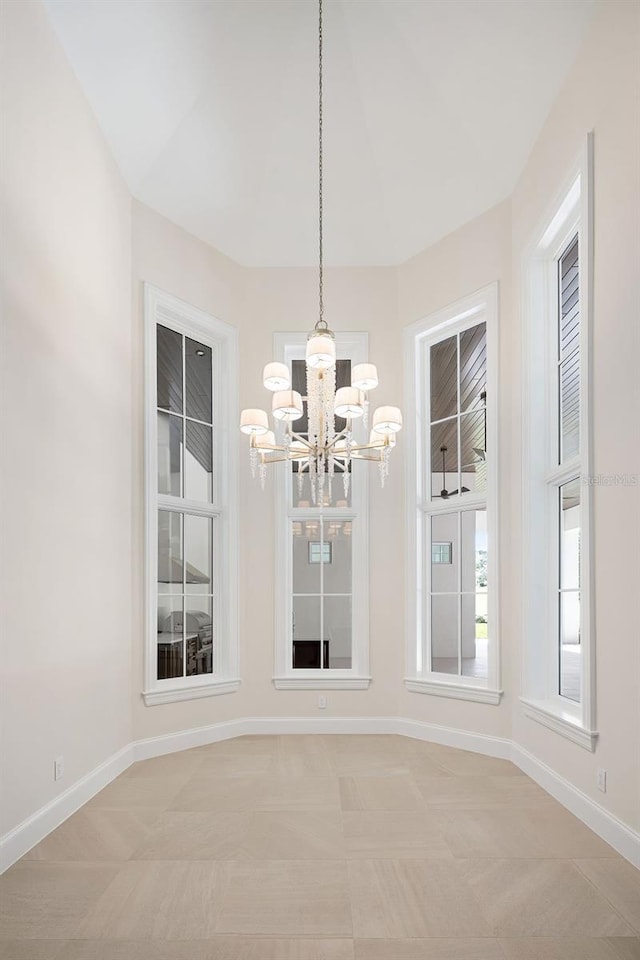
(191, 630)
(558, 674)
(452, 632)
(322, 601)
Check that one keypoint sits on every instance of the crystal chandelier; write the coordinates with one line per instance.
(323, 452)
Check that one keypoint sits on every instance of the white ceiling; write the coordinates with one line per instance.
(210, 109)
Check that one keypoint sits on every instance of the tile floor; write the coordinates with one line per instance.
(321, 848)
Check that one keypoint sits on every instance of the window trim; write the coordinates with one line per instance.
(163, 308)
(570, 212)
(475, 308)
(288, 346)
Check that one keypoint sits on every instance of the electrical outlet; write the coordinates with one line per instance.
(322, 703)
(58, 768)
(602, 780)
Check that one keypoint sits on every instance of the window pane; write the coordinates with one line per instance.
(199, 635)
(337, 632)
(444, 459)
(569, 275)
(198, 541)
(170, 638)
(306, 632)
(473, 366)
(444, 379)
(569, 388)
(169, 552)
(198, 466)
(570, 649)
(337, 573)
(444, 633)
(444, 577)
(197, 360)
(473, 452)
(306, 575)
(169, 369)
(475, 662)
(474, 551)
(169, 454)
(570, 535)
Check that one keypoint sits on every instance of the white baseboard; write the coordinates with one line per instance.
(450, 737)
(613, 831)
(35, 828)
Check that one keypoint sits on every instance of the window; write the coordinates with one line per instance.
(451, 362)
(322, 603)
(559, 649)
(191, 632)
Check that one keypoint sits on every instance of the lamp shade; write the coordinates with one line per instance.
(287, 405)
(387, 420)
(364, 376)
(321, 352)
(348, 403)
(276, 376)
(254, 422)
(266, 440)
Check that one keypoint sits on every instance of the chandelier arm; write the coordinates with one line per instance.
(297, 436)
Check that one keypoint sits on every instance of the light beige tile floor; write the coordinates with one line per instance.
(321, 848)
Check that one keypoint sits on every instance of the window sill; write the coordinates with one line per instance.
(189, 692)
(321, 683)
(456, 691)
(543, 712)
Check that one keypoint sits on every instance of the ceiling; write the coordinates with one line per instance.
(210, 110)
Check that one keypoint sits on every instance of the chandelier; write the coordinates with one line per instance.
(324, 452)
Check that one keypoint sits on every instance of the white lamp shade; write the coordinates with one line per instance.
(348, 403)
(387, 420)
(321, 352)
(254, 422)
(378, 438)
(266, 440)
(287, 405)
(364, 376)
(276, 376)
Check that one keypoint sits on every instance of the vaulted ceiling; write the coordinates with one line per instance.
(210, 110)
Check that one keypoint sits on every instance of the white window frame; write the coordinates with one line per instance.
(481, 306)
(570, 214)
(354, 347)
(164, 309)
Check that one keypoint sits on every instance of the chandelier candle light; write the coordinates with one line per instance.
(323, 452)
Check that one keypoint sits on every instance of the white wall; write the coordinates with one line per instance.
(602, 93)
(66, 408)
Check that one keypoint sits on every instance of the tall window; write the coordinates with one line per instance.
(559, 654)
(191, 642)
(322, 622)
(452, 386)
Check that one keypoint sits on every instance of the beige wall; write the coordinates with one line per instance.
(66, 407)
(602, 93)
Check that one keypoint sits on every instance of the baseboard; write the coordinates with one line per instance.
(35, 828)
(451, 737)
(613, 831)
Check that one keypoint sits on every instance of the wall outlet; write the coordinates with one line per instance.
(602, 780)
(322, 703)
(58, 768)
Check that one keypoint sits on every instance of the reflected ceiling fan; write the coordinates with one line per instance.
(444, 493)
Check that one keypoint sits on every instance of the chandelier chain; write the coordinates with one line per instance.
(321, 324)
